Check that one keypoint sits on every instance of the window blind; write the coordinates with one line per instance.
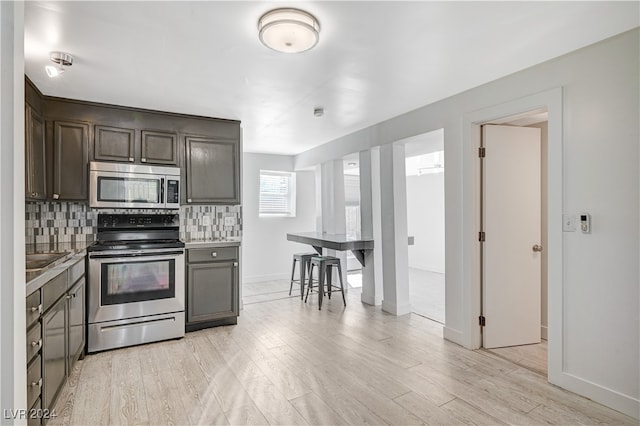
(277, 193)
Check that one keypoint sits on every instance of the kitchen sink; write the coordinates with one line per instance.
(37, 261)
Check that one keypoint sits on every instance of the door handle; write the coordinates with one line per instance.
(537, 248)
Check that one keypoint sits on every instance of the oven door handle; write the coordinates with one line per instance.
(136, 254)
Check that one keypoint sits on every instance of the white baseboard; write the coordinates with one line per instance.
(543, 332)
(261, 278)
(395, 309)
(452, 335)
(609, 397)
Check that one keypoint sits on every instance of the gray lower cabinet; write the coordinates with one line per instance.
(212, 287)
(55, 339)
(76, 322)
(53, 351)
(213, 170)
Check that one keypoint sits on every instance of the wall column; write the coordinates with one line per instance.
(370, 225)
(330, 175)
(395, 251)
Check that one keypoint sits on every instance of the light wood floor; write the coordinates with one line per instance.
(426, 292)
(533, 357)
(288, 363)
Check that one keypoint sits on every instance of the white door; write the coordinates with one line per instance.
(511, 217)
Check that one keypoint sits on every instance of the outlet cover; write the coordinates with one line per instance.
(229, 221)
(568, 223)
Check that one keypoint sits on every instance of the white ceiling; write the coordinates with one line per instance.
(375, 60)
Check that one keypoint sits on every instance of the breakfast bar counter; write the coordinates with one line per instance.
(340, 242)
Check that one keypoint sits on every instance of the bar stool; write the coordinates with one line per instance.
(325, 265)
(304, 259)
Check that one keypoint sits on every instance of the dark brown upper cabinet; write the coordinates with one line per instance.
(119, 144)
(35, 154)
(70, 160)
(113, 144)
(159, 147)
(213, 170)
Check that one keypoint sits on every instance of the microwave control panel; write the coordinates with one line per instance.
(173, 193)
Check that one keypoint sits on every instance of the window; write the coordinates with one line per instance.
(277, 193)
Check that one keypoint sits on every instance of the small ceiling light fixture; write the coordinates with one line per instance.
(289, 30)
(62, 59)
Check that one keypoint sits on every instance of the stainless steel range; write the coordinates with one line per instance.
(136, 281)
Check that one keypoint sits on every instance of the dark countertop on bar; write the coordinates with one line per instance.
(331, 241)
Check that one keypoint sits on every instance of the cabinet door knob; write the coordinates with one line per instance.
(56, 196)
(38, 383)
(143, 160)
(188, 200)
(37, 309)
(235, 264)
(214, 254)
(68, 296)
(38, 343)
(33, 194)
(131, 159)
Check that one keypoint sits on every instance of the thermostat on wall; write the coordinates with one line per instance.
(585, 223)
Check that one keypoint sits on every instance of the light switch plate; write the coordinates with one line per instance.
(568, 223)
(229, 221)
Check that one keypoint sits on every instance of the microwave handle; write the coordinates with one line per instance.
(162, 200)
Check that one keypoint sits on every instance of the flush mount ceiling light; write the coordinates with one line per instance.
(289, 30)
(62, 59)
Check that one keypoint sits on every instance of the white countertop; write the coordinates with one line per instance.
(216, 242)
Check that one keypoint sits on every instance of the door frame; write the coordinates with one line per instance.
(552, 101)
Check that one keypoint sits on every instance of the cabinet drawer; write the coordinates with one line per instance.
(76, 271)
(34, 420)
(212, 254)
(34, 381)
(34, 307)
(34, 341)
(53, 290)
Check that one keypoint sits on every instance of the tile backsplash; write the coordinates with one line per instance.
(54, 222)
(58, 222)
(209, 222)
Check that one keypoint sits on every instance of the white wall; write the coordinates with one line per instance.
(266, 253)
(13, 394)
(425, 220)
(599, 294)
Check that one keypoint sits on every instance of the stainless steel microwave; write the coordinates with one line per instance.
(116, 185)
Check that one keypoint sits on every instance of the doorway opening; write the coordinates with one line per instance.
(424, 171)
(514, 232)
